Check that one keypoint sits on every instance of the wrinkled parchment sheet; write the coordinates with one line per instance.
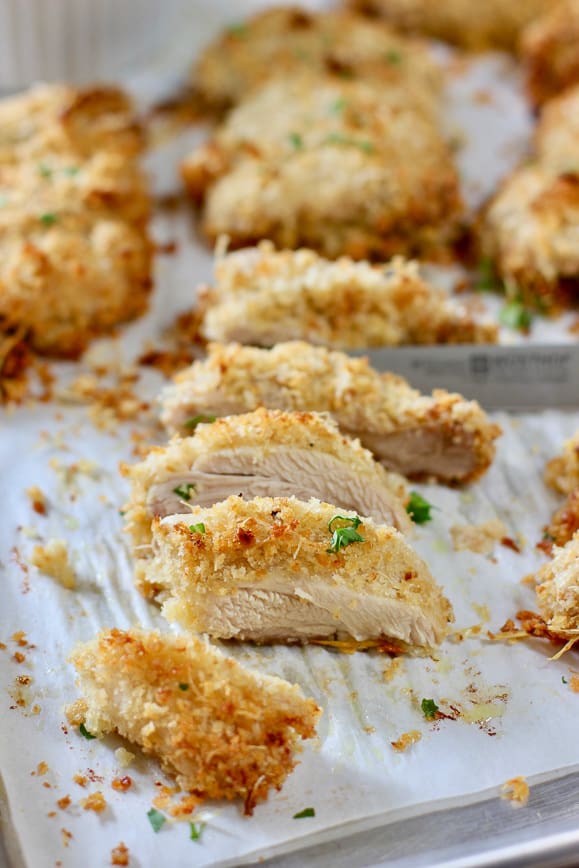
(516, 716)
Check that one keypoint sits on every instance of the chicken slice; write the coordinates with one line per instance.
(558, 591)
(222, 730)
(266, 453)
(286, 40)
(442, 436)
(262, 296)
(282, 570)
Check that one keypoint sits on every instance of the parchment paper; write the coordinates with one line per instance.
(523, 716)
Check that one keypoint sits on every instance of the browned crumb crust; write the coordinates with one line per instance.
(550, 50)
(369, 180)
(562, 472)
(75, 256)
(563, 525)
(223, 731)
(492, 24)
(558, 590)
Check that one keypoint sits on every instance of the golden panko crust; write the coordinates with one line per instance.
(261, 296)
(222, 730)
(264, 429)
(558, 590)
(557, 133)
(283, 41)
(492, 24)
(562, 472)
(299, 376)
(341, 166)
(564, 523)
(75, 256)
(239, 544)
(550, 50)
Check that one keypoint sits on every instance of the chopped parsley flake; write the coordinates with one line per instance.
(197, 528)
(514, 315)
(84, 731)
(48, 219)
(44, 171)
(418, 508)
(184, 491)
(429, 708)
(563, 679)
(183, 685)
(307, 812)
(487, 279)
(196, 830)
(338, 106)
(156, 819)
(339, 139)
(239, 30)
(346, 535)
(296, 141)
(394, 57)
(71, 171)
(198, 420)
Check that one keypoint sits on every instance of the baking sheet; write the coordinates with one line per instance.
(351, 774)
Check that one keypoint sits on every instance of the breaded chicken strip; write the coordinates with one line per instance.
(550, 50)
(564, 523)
(75, 258)
(342, 166)
(562, 472)
(558, 591)
(442, 436)
(557, 133)
(223, 731)
(262, 296)
(492, 24)
(286, 40)
(267, 452)
(281, 570)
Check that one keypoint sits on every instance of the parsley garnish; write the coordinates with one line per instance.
(238, 30)
(197, 528)
(196, 830)
(429, 708)
(548, 537)
(84, 731)
(183, 685)
(394, 57)
(487, 279)
(184, 491)
(156, 819)
(339, 139)
(344, 536)
(307, 812)
(197, 420)
(514, 315)
(44, 171)
(418, 508)
(296, 141)
(71, 171)
(338, 106)
(563, 679)
(48, 219)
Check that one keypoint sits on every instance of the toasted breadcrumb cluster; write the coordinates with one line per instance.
(494, 24)
(262, 296)
(562, 474)
(366, 404)
(75, 259)
(224, 731)
(530, 225)
(550, 50)
(558, 590)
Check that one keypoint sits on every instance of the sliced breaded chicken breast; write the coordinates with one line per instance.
(288, 39)
(441, 436)
(282, 570)
(558, 591)
(75, 258)
(550, 50)
(264, 453)
(492, 24)
(342, 166)
(223, 731)
(262, 296)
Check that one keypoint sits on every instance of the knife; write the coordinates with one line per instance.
(513, 378)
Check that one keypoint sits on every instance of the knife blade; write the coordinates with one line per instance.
(515, 378)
